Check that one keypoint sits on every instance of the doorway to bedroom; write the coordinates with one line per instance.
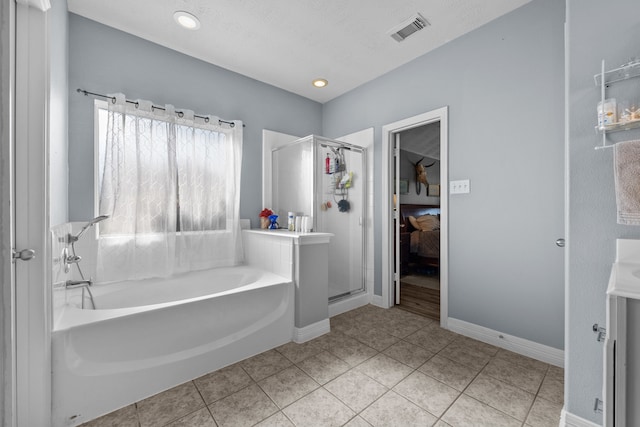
(415, 270)
(418, 214)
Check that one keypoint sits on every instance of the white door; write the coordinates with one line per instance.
(7, 229)
(32, 344)
(396, 215)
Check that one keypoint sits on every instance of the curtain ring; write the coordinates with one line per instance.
(180, 114)
(206, 119)
(113, 100)
(137, 104)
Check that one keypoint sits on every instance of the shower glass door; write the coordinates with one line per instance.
(340, 210)
(333, 194)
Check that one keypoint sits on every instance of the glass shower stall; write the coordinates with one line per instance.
(326, 180)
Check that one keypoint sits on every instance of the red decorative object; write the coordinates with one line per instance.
(264, 213)
(264, 217)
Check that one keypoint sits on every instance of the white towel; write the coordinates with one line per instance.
(626, 163)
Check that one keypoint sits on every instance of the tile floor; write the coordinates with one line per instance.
(377, 367)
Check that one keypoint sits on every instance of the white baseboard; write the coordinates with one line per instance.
(312, 331)
(348, 304)
(377, 301)
(567, 419)
(528, 348)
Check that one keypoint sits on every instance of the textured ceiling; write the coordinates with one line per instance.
(288, 43)
(423, 140)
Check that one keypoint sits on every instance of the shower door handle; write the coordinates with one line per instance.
(24, 255)
(560, 243)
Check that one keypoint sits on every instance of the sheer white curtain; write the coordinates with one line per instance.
(171, 188)
(209, 160)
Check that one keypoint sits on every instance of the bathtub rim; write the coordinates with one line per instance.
(73, 317)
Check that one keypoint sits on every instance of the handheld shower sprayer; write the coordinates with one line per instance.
(73, 258)
(94, 221)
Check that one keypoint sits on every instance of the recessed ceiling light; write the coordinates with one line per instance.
(319, 82)
(186, 20)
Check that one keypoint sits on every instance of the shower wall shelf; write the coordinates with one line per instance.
(604, 79)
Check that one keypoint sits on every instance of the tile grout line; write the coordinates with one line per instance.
(206, 405)
(399, 339)
(535, 397)
(523, 422)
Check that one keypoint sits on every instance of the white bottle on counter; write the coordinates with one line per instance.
(291, 222)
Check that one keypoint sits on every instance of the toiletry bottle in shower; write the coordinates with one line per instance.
(327, 165)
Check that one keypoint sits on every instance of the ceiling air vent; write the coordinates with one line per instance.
(404, 30)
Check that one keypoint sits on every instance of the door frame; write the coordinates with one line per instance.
(30, 343)
(7, 135)
(388, 141)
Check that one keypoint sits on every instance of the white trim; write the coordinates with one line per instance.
(41, 5)
(33, 295)
(7, 167)
(567, 419)
(350, 303)
(307, 333)
(567, 246)
(441, 115)
(378, 301)
(527, 348)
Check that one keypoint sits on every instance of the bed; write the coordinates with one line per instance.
(421, 223)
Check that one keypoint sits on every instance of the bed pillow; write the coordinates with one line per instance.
(427, 223)
(414, 222)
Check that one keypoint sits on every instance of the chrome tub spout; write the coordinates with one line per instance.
(84, 284)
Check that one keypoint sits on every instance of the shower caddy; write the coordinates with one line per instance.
(606, 78)
(340, 179)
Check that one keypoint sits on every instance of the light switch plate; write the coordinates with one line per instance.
(459, 187)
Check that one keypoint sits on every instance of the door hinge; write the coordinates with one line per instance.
(602, 332)
(24, 255)
(597, 405)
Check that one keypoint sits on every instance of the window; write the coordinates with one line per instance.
(195, 161)
(171, 187)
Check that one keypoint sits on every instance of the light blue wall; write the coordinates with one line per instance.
(593, 36)
(105, 60)
(58, 113)
(504, 86)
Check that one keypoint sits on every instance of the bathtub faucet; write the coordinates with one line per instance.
(72, 259)
(84, 284)
(73, 284)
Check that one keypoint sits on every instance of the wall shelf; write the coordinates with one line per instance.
(603, 80)
(625, 72)
(616, 127)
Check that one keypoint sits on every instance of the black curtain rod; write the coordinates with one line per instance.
(155, 107)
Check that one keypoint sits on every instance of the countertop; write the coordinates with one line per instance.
(624, 280)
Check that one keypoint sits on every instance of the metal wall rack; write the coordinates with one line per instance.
(604, 79)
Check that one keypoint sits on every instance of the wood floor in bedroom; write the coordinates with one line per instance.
(419, 295)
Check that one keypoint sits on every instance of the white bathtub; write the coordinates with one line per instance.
(150, 335)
